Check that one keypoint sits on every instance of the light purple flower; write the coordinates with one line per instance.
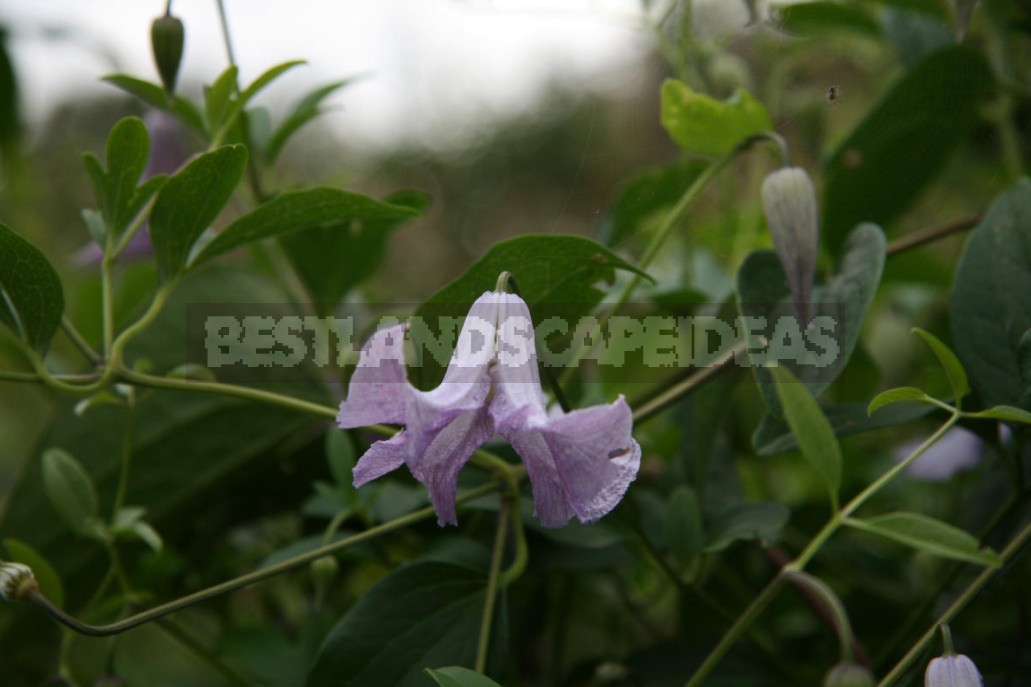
(952, 670)
(789, 202)
(959, 449)
(579, 463)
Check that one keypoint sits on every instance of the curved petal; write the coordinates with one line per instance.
(438, 465)
(518, 398)
(580, 463)
(381, 458)
(377, 390)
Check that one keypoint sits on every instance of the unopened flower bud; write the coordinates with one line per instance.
(952, 670)
(789, 202)
(324, 570)
(16, 580)
(848, 674)
(166, 41)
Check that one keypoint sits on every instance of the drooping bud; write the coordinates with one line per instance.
(848, 674)
(952, 670)
(166, 41)
(16, 580)
(789, 202)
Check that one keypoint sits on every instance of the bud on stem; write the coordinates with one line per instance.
(166, 41)
(16, 581)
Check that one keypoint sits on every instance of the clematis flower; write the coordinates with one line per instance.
(952, 670)
(579, 463)
(789, 202)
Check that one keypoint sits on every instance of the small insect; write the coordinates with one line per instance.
(833, 93)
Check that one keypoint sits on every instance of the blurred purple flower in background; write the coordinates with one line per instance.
(958, 450)
(579, 463)
(167, 153)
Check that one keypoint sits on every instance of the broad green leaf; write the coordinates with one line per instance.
(456, 676)
(340, 456)
(128, 148)
(990, 306)
(155, 96)
(817, 18)
(189, 202)
(954, 371)
(297, 210)
(645, 196)
(333, 258)
(217, 98)
(774, 436)
(816, 440)
(71, 491)
(903, 143)
(11, 127)
(897, 395)
(818, 355)
(684, 532)
(424, 614)
(151, 656)
(305, 111)
(48, 579)
(701, 124)
(933, 8)
(928, 534)
(1004, 413)
(31, 298)
(747, 522)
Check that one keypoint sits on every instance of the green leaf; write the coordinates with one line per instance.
(1004, 413)
(818, 18)
(954, 371)
(646, 196)
(297, 210)
(31, 299)
(155, 96)
(420, 615)
(456, 676)
(236, 105)
(814, 435)
(880, 169)
(774, 436)
(71, 492)
(928, 534)
(684, 534)
(747, 522)
(898, 395)
(701, 124)
(839, 306)
(341, 458)
(334, 258)
(217, 100)
(990, 306)
(129, 524)
(189, 202)
(48, 579)
(128, 148)
(305, 111)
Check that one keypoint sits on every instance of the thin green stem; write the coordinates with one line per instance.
(226, 38)
(79, 341)
(814, 546)
(107, 307)
(60, 616)
(961, 602)
(137, 223)
(487, 621)
(721, 364)
(123, 473)
(242, 392)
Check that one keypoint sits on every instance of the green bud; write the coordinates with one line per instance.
(16, 580)
(166, 40)
(324, 571)
(848, 674)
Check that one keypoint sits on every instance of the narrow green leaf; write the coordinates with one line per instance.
(31, 299)
(747, 522)
(188, 203)
(155, 96)
(816, 439)
(928, 534)
(701, 124)
(296, 210)
(341, 457)
(954, 371)
(456, 676)
(880, 169)
(48, 579)
(419, 615)
(216, 100)
(266, 78)
(70, 490)
(684, 535)
(1004, 413)
(127, 152)
(897, 395)
(306, 110)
